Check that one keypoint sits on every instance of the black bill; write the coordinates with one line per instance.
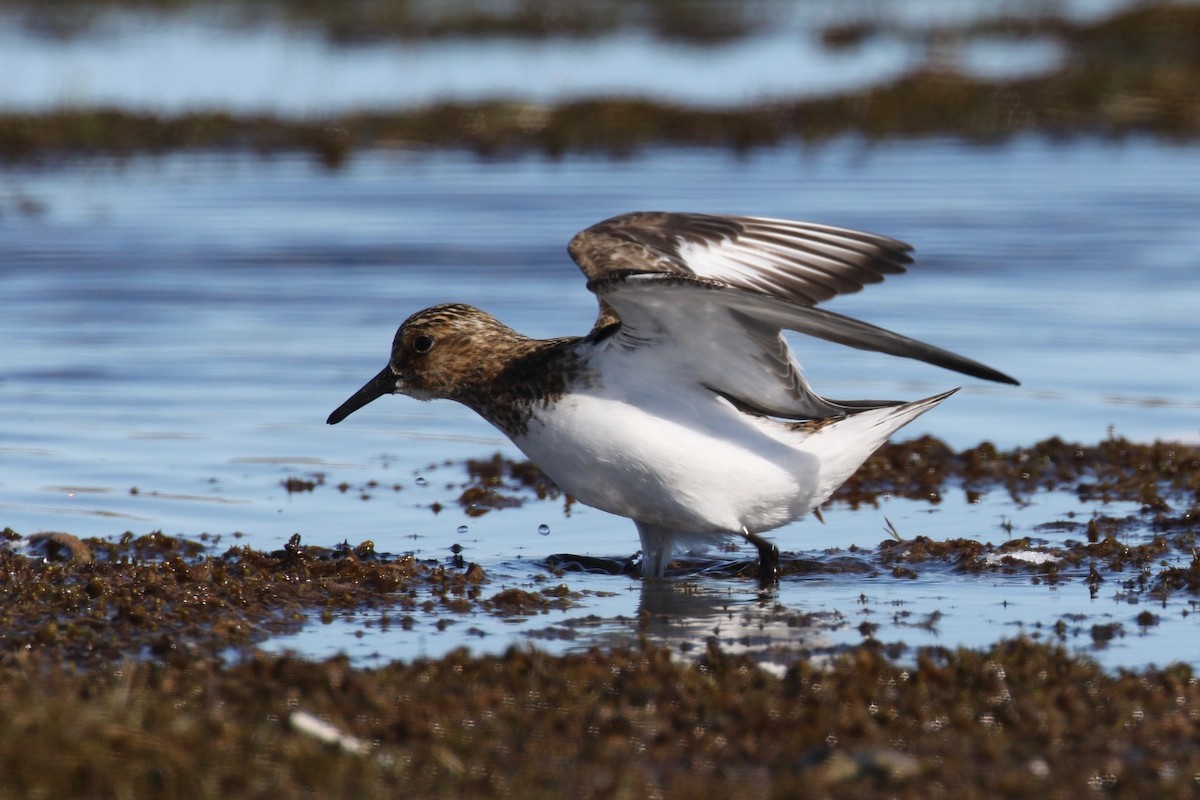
(377, 387)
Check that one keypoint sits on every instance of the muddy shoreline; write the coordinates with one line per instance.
(147, 647)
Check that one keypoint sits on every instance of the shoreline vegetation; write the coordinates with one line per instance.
(130, 667)
(1132, 74)
(1017, 720)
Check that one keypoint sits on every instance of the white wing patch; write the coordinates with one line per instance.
(798, 261)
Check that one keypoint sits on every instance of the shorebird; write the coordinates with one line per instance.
(683, 408)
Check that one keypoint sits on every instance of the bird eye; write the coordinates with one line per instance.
(422, 344)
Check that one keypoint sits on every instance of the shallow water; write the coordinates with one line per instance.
(214, 60)
(176, 330)
(808, 616)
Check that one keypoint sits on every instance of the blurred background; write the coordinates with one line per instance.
(214, 215)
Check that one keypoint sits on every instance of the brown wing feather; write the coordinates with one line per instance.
(799, 262)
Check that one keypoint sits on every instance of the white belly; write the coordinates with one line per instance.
(685, 463)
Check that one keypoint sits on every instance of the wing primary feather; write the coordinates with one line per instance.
(780, 268)
(875, 264)
(851, 332)
(806, 319)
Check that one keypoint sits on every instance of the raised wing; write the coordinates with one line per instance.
(729, 339)
(799, 262)
(728, 285)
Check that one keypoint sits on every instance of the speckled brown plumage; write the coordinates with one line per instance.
(478, 361)
(817, 262)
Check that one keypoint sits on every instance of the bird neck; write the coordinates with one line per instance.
(510, 387)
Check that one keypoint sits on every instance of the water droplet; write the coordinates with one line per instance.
(422, 482)
(544, 529)
(462, 529)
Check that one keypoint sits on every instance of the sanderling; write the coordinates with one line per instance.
(683, 407)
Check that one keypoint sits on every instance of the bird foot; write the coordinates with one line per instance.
(768, 560)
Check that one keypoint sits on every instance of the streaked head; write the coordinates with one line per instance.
(442, 352)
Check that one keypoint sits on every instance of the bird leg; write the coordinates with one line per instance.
(768, 559)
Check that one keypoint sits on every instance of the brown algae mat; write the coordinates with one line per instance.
(1018, 720)
(1134, 73)
(128, 668)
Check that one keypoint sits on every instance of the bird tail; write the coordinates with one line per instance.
(843, 444)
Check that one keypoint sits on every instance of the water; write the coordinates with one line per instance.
(203, 60)
(182, 326)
